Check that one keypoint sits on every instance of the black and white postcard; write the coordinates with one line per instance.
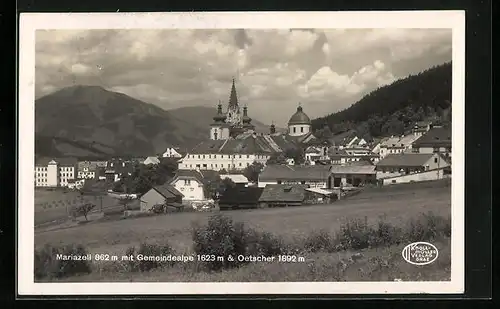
(241, 153)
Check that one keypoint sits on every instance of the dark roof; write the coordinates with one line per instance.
(60, 161)
(283, 193)
(246, 143)
(299, 117)
(435, 137)
(241, 195)
(296, 172)
(406, 159)
(334, 152)
(168, 191)
(188, 174)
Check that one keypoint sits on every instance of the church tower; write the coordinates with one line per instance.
(219, 128)
(233, 115)
(247, 121)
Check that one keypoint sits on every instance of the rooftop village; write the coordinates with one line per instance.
(330, 167)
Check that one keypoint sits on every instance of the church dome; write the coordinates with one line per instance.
(299, 117)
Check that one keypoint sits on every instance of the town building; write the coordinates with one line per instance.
(436, 140)
(165, 195)
(117, 168)
(234, 145)
(190, 184)
(172, 152)
(55, 172)
(151, 161)
(314, 176)
(410, 163)
(238, 179)
(280, 195)
(240, 198)
(88, 170)
(397, 144)
(342, 176)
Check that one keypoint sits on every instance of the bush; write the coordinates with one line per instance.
(355, 234)
(48, 265)
(149, 250)
(428, 227)
(263, 243)
(219, 238)
(158, 208)
(320, 241)
(222, 238)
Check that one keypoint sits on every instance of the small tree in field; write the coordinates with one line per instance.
(252, 171)
(84, 209)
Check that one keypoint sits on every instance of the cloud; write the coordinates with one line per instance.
(326, 70)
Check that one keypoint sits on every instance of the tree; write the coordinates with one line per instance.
(252, 171)
(84, 209)
(211, 184)
(277, 158)
(297, 154)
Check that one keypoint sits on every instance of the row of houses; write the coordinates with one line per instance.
(287, 185)
(69, 172)
(425, 138)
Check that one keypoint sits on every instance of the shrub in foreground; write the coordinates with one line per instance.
(222, 237)
(428, 227)
(152, 254)
(49, 262)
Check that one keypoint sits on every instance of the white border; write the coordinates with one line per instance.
(29, 22)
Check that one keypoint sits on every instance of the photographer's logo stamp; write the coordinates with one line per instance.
(420, 253)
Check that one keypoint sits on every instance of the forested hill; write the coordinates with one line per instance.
(393, 109)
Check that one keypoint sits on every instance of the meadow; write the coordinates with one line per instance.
(53, 206)
(396, 206)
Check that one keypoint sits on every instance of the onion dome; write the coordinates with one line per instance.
(219, 117)
(299, 118)
(245, 117)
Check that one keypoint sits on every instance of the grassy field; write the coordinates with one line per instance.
(397, 205)
(383, 264)
(56, 205)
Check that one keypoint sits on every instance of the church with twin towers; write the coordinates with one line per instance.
(234, 121)
(234, 144)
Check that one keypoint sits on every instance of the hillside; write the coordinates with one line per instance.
(91, 121)
(393, 109)
(203, 116)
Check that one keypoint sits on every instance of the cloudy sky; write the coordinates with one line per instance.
(325, 70)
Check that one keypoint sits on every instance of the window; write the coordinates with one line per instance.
(239, 164)
(203, 156)
(240, 156)
(198, 156)
(294, 130)
(436, 149)
(301, 129)
(216, 165)
(435, 160)
(248, 156)
(279, 182)
(303, 182)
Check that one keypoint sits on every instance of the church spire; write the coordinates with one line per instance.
(233, 97)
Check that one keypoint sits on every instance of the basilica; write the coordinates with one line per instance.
(233, 143)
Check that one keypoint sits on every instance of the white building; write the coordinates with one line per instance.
(55, 172)
(315, 176)
(87, 170)
(172, 152)
(409, 163)
(190, 184)
(151, 161)
(299, 124)
(436, 140)
(238, 179)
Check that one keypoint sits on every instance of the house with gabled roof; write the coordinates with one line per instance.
(190, 184)
(312, 175)
(409, 163)
(161, 195)
(436, 140)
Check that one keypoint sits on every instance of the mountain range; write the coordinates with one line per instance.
(90, 121)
